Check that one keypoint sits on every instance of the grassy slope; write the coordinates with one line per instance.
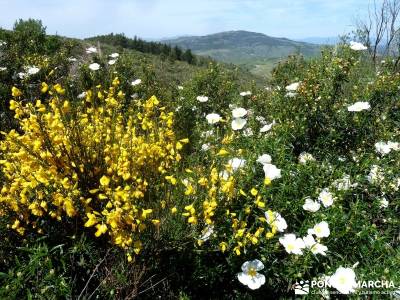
(174, 71)
(255, 51)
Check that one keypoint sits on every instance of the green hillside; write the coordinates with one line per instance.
(256, 51)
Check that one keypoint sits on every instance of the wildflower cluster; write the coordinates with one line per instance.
(86, 160)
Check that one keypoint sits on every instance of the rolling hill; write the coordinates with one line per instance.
(256, 51)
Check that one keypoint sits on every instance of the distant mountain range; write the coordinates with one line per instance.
(256, 51)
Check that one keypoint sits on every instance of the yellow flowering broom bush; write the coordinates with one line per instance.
(88, 161)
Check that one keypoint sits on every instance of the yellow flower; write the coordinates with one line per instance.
(146, 212)
(269, 235)
(222, 152)
(101, 228)
(192, 220)
(15, 92)
(174, 210)
(92, 220)
(171, 179)
(59, 89)
(155, 222)
(44, 87)
(267, 181)
(223, 246)
(13, 105)
(104, 181)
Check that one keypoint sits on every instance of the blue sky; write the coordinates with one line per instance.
(167, 18)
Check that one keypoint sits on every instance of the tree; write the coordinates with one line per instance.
(29, 36)
(188, 56)
(380, 32)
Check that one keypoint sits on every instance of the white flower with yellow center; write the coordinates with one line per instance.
(314, 246)
(213, 118)
(238, 123)
(271, 172)
(250, 276)
(326, 197)
(239, 112)
(320, 230)
(275, 220)
(236, 163)
(344, 280)
(311, 205)
(292, 244)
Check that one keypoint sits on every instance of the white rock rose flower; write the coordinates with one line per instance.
(271, 172)
(385, 148)
(213, 118)
(136, 82)
(314, 246)
(359, 106)
(344, 280)
(250, 276)
(239, 112)
(320, 230)
(32, 70)
(267, 127)
(326, 197)
(292, 244)
(293, 87)
(94, 66)
(236, 163)
(274, 219)
(91, 50)
(238, 123)
(247, 93)
(311, 205)
(264, 159)
(202, 99)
